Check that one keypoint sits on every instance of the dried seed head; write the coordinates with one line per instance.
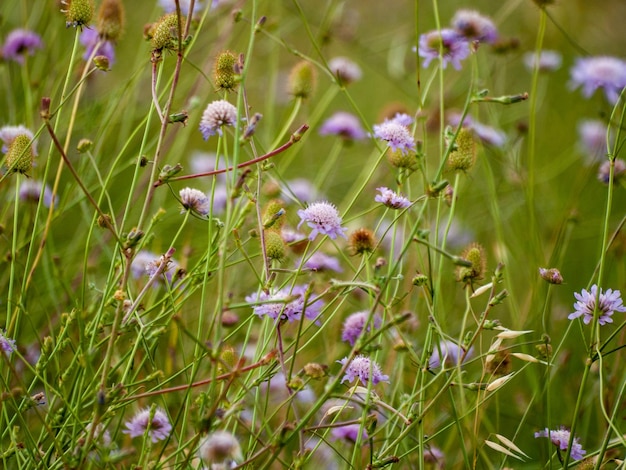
(274, 245)
(225, 77)
(362, 241)
(302, 80)
(499, 363)
(164, 33)
(475, 254)
(464, 156)
(20, 154)
(111, 19)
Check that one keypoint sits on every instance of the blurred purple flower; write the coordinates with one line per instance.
(609, 302)
(353, 326)
(391, 199)
(195, 200)
(323, 218)
(319, 261)
(169, 6)
(363, 369)
(547, 61)
(403, 119)
(300, 188)
(145, 263)
(560, 438)
(345, 69)
(9, 133)
(344, 125)
(592, 139)
(30, 191)
(618, 172)
(289, 304)
(349, 432)
(449, 353)
(158, 427)
(94, 46)
(599, 72)
(217, 114)
(7, 345)
(474, 27)
(454, 47)
(396, 135)
(19, 43)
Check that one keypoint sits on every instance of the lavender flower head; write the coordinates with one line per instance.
(546, 62)
(391, 199)
(363, 369)
(195, 201)
(300, 188)
(454, 47)
(619, 170)
(560, 438)
(7, 345)
(9, 133)
(319, 261)
(217, 114)
(396, 135)
(20, 43)
(323, 218)
(609, 302)
(158, 427)
(220, 448)
(30, 191)
(474, 27)
(448, 353)
(90, 39)
(146, 262)
(403, 119)
(344, 125)
(169, 6)
(346, 70)
(604, 72)
(289, 304)
(355, 324)
(592, 139)
(349, 432)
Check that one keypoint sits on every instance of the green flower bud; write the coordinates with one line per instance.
(20, 154)
(464, 156)
(79, 12)
(274, 245)
(302, 80)
(225, 77)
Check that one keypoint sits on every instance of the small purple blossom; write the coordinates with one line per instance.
(546, 62)
(474, 27)
(145, 263)
(7, 345)
(349, 432)
(346, 70)
(619, 171)
(30, 191)
(363, 369)
(599, 72)
(323, 218)
(403, 119)
(319, 261)
(157, 425)
(592, 139)
(94, 46)
(396, 135)
(560, 438)
(195, 200)
(9, 133)
(448, 353)
(354, 325)
(391, 199)
(169, 6)
(19, 43)
(344, 125)
(609, 302)
(289, 304)
(454, 47)
(217, 114)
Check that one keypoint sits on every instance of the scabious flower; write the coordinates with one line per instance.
(354, 325)
(217, 114)
(344, 125)
(546, 62)
(169, 6)
(7, 345)
(363, 369)
(156, 425)
(560, 438)
(300, 188)
(474, 27)
(30, 191)
(9, 133)
(402, 118)
(290, 303)
(604, 72)
(195, 200)
(346, 70)
(448, 353)
(618, 172)
(391, 199)
(396, 135)
(592, 139)
(323, 218)
(609, 302)
(19, 43)
(319, 261)
(349, 432)
(146, 262)
(221, 449)
(454, 47)
(94, 46)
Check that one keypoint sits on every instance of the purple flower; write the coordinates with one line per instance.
(547, 61)
(30, 191)
(145, 263)
(486, 134)
(363, 369)
(220, 449)
(300, 188)
(402, 118)
(354, 325)
(323, 218)
(474, 27)
(346, 70)
(195, 200)
(618, 172)
(20, 43)
(95, 46)
(9, 133)
(609, 302)
(156, 425)
(396, 135)
(319, 261)
(449, 353)
(592, 138)
(217, 114)
(454, 47)
(7, 345)
(600, 72)
(170, 6)
(289, 304)
(349, 432)
(344, 125)
(391, 199)
(560, 438)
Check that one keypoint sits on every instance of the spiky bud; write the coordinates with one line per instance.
(420, 280)
(111, 19)
(224, 74)
(274, 245)
(475, 254)
(464, 156)
(273, 214)
(164, 33)
(79, 12)
(362, 241)
(400, 159)
(20, 154)
(302, 80)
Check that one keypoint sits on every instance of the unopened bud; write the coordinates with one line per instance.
(84, 145)
(20, 155)
(111, 19)
(302, 80)
(274, 245)
(552, 275)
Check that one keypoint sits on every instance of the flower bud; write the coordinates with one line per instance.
(475, 254)
(225, 77)
(78, 13)
(302, 80)
(464, 156)
(111, 19)
(552, 275)
(20, 154)
(84, 145)
(274, 245)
